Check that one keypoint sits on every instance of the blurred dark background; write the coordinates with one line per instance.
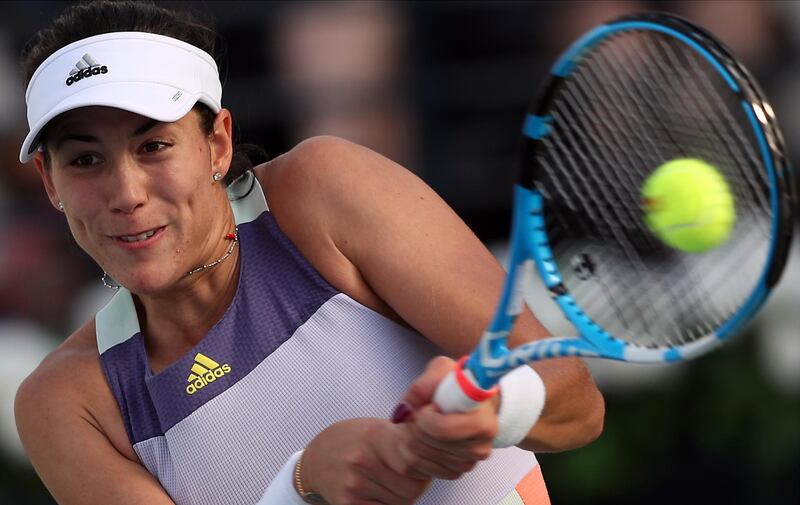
(441, 87)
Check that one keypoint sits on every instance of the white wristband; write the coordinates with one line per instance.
(522, 397)
(281, 490)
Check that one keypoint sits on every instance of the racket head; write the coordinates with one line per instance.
(625, 98)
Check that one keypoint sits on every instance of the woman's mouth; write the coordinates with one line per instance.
(137, 240)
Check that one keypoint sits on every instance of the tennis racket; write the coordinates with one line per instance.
(625, 98)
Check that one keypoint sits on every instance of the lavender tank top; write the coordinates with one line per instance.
(291, 356)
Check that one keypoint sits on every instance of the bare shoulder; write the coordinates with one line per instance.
(62, 374)
(70, 384)
(67, 369)
(319, 166)
(315, 192)
(332, 189)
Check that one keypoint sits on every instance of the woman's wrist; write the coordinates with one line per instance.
(281, 490)
(522, 397)
(300, 480)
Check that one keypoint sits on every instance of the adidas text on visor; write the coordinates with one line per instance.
(152, 75)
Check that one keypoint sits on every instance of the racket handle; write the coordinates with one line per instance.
(460, 392)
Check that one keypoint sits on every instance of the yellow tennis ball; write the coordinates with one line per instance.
(688, 205)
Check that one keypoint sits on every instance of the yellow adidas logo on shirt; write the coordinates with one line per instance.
(204, 371)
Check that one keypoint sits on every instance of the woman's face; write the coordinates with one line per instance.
(138, 194)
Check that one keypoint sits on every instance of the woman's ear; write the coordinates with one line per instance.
(221, 142)
(47, 179)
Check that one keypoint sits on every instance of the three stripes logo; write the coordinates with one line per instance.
(204, 371)
(86, 67)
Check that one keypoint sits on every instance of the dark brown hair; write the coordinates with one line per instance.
(86, 19)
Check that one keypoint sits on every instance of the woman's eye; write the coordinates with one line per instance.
(85, 160)
(154, 146)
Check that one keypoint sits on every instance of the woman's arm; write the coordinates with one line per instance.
(381, 235)
(75, 459)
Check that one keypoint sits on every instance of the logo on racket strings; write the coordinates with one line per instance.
(583, 265)
(86, 67)
(205, 371)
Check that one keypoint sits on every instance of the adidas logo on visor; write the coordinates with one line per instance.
(85, 68)
(204, 371)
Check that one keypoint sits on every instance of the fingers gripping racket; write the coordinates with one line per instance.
(626, 98)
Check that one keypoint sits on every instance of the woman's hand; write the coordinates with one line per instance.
(439, 445)
(355, 462)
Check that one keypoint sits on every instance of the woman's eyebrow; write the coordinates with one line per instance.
(149, 124)
(75, 136)
(84, 137)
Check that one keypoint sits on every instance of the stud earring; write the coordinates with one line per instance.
(217, 176)
(60, 206)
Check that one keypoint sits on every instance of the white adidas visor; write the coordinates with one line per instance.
(152, 75)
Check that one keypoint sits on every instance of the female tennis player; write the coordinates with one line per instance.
(268, 319)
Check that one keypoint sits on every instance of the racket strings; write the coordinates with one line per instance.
(692, 138)
(632, 111)
(655, 109)
(619, 77)
(559, 171)
(642, 302)
(751, 183)
(632, 104)
(603, 215)
(739, 162)
(617, 149)
(730, 144)
(611, 297)
(698, 139)
(610, 210)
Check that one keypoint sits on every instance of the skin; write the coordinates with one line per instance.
(117, 173)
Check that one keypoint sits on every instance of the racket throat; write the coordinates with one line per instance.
(489, 361)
